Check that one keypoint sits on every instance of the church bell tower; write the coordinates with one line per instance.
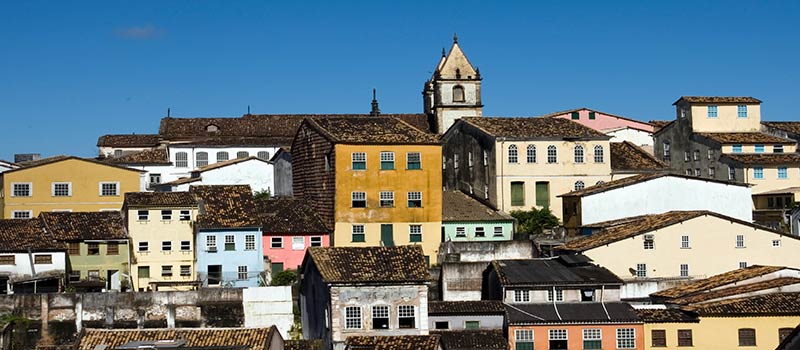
(454, 91)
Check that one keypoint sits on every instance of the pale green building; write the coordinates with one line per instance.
(465, 219)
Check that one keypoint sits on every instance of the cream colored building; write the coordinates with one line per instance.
(162, 240)
(666, 249)
(524, 163)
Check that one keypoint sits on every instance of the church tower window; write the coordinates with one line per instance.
(458, 93)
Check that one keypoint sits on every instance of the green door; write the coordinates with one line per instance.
(276, 268)
(518, 194)
(387, 239)
(543, 194)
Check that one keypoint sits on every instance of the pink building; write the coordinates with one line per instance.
(619, 128)
(290, 226)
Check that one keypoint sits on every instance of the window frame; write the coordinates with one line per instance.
(758, 173)
(358, 161)
(741, 111)
(143, 246)
(222, 156)
(744, 336)
(594, 337)
(357, 197)
(92, 248)
(186, 246)
(415, 233)
(522, 296)
(413, 165)
(552, 154)
(403, 315)
(200, 161)
(381, 312)
(599, 154)
(683, 340)
(623, 340)
(276, 242)
(578, 154)
(301, 245)
(414, 199)
(358, 233)
(54, 190)
(315, 241)
(352, 318)
(181, 159)
(250, 242)
(242, 273)
(513, 154)
(683, 270)
(387, 160)
(712, 111)
(229, 243)
(15, 190)
(166, 215)
(740, 243)
(659, 341)
(102, 190)
(166, 246)
(386, 199)
(641, 270)
(15, 214)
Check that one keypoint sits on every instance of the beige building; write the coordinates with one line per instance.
(666, 249)
(162, 240)
(522, 163)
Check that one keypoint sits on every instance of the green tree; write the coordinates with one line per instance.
(534, 221)
(262, 195)
(284, 278)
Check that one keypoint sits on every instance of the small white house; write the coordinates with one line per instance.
(639, 137)
(30, 260)
(655, 194)
(253, 171)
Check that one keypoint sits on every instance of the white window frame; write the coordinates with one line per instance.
(579, 185)
(358, 196)
(530, 154)
(198, 162)
(513, 154)
(14, 190)
(387, 196)
(599, 154)
(461, 231)
(166, 246)
(776, 243)
(185, 215)
(298, 243)
(498, 231)
(166, 215)
(685, 243)
(552, 154)
(241, 272)
(181, 159)
(712, 111)
(186, 270)
(352, 317)
(415, 196)
(18, 214)
(626, 338)
(413, 156)
(741, 111)
(592, 334)
(211, 243)
(743, 264)
(143, 246)
(407, 311)
(315, 241)
(579, 154)
(522, 296)
(480, 231)
(358, 157)
(223, 156)
(229, 239)
(684, 270)
(387, 156)
(116, 188)
(358, 229)
(523, 336)
(250, 242)
(641, 270)
(414, 230)
(557, 334)
(53, 190)
(740, 241)
(187, 245)
(276, 242)
(145, 217)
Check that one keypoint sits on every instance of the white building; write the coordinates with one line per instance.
(4, 165)
(654, 194)
(253, 171)
(30, 262)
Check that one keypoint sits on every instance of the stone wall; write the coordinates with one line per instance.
(61, 316)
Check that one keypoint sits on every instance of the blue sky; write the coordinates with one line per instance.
(72, 71)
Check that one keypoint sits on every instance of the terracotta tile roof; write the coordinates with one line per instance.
(56, 159)
(669, 315)
(160, 199)
(632, 180)
(792, 127)
(477, 307)
(371, 130)
(745, 138)
(17, 235)
(154, 156)
(617, 230)
(716, 281)
(626, 156)
(399, 264)
(181, 181)
(256, 129)
(551, 272)
(764, 304)
(250, 338)
(128, 140)
(765, 158)
(560, 313)
(399, 342)
(225, 206)
(458, 206)
(736, 290)
(228, 162)
(718, 99)
(482, 339)
(289, 215)
(80, 226)
(312, 344)
(529, 128)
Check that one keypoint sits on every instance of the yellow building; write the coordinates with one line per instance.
(749, 308)
(65, 183)
(374, 180)
(162, 240)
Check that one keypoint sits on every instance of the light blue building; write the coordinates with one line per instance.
(465, 219)
(229, 240)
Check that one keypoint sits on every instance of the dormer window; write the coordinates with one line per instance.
(212, 128)
(458, 93)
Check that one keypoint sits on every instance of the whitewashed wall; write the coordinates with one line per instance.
(256, 173)
(22, 264)
(212, 154)
(665, 194)
(637, 137)
(267, 306)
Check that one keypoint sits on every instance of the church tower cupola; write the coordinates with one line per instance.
(454, 90)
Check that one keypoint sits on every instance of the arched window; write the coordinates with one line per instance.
(222, 156)
(579, 185)
(531, 154)
(181, 160)
(552, 154)
(598, 154)
(201, 159)
(512, 154)
(578, 154)
(458, 93)
(242, 154)
(263, 155)
(117, 153)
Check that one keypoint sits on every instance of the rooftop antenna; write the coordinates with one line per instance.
(167, 112)
(248, 109)
(455, 38)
